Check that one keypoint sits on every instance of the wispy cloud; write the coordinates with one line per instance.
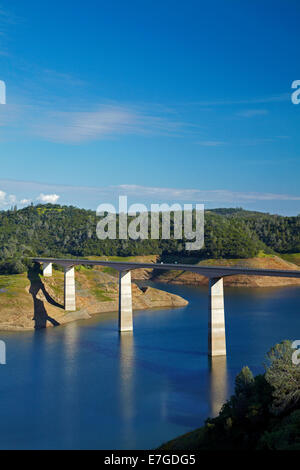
(249, 113)
(254, 141)
(25, 192)
(197, 195)
(283, 97)
(211, 143)
(101, 122)
(7, 21)
(57, 77)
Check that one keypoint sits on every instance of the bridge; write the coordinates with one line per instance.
(215, 274)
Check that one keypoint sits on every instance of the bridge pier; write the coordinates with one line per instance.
(70, 299)
(125, 301)
(47, 269)
(216, 318)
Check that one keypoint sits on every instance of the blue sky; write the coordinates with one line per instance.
(179, 101)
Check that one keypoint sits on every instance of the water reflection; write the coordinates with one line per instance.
(127, 372)
(218, 383)
(70, 340)
(127, 387)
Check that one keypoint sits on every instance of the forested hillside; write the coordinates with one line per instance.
(53, 230)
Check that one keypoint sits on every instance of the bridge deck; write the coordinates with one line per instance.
(208, 271)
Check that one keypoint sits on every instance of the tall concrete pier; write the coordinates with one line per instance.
(125, 301)
(216, 318)
(47, 269)
(70, 299)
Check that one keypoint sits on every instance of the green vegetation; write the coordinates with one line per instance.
(292, 258)
(11, 284)
(263, 413)
(100, 294)
(66, 231)
(12, 288)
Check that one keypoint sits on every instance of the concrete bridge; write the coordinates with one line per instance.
(215, 274)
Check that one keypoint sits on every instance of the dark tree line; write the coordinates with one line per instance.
(53, 230)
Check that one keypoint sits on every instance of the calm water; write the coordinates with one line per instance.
(82, 386)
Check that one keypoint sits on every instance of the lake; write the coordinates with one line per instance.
(82, 386)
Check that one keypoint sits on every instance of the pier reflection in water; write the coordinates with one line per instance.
(219, 383)
(127, 373)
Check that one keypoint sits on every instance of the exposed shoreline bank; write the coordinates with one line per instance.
(30, 301)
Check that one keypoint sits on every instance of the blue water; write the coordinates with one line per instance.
(81, 386)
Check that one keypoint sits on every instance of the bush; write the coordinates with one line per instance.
(12, 267)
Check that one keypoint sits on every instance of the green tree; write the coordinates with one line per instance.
(284, 377)
(244, 381)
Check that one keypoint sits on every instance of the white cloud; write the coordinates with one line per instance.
(2, 196)
(25, 201)
(48, 198)
(7, 199)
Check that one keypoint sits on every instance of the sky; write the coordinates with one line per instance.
(162, 101)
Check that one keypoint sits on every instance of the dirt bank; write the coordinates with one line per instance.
(262, 262)
(32, 301)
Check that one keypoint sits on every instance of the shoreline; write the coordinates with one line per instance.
(32, 302)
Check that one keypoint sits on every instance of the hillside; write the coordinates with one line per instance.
(260, 262)
(53, 230)
(136, 274)
(29, 301)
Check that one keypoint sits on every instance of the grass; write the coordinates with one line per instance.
(58, 289)
(92, 277)
(83, 268)
(100, 294)
(13, 286)
(109, 270)
(262, 254)
(14, 289)
(292, 258)
(42, 210)
(13, 283)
